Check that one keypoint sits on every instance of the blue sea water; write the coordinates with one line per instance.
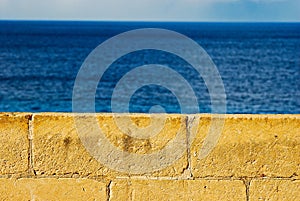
(259, 64)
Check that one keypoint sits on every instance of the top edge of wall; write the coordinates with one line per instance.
(247, 116)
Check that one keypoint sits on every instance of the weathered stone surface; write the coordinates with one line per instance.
(274, 190)
(177, 190)
(58, 150)
(9, 190)
(262, 147)
(14, 143)
(52, 189)
(250, 146)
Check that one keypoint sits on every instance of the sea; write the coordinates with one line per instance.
(259, 65)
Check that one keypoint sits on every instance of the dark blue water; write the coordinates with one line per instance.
(258, 62)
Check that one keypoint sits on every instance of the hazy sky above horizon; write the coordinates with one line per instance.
(153, 10)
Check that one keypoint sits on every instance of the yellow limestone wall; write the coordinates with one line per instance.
(257, 157)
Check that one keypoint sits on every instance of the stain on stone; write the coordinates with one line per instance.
(67, 141)
(135, 145)
(128, 143)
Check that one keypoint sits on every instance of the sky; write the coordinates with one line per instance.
(152, 10)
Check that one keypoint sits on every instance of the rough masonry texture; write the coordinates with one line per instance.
(14, 148)
(256, 157)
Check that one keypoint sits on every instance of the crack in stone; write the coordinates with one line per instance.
(108, 190)
(247, 183)
(189, 119)
(30, 151)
